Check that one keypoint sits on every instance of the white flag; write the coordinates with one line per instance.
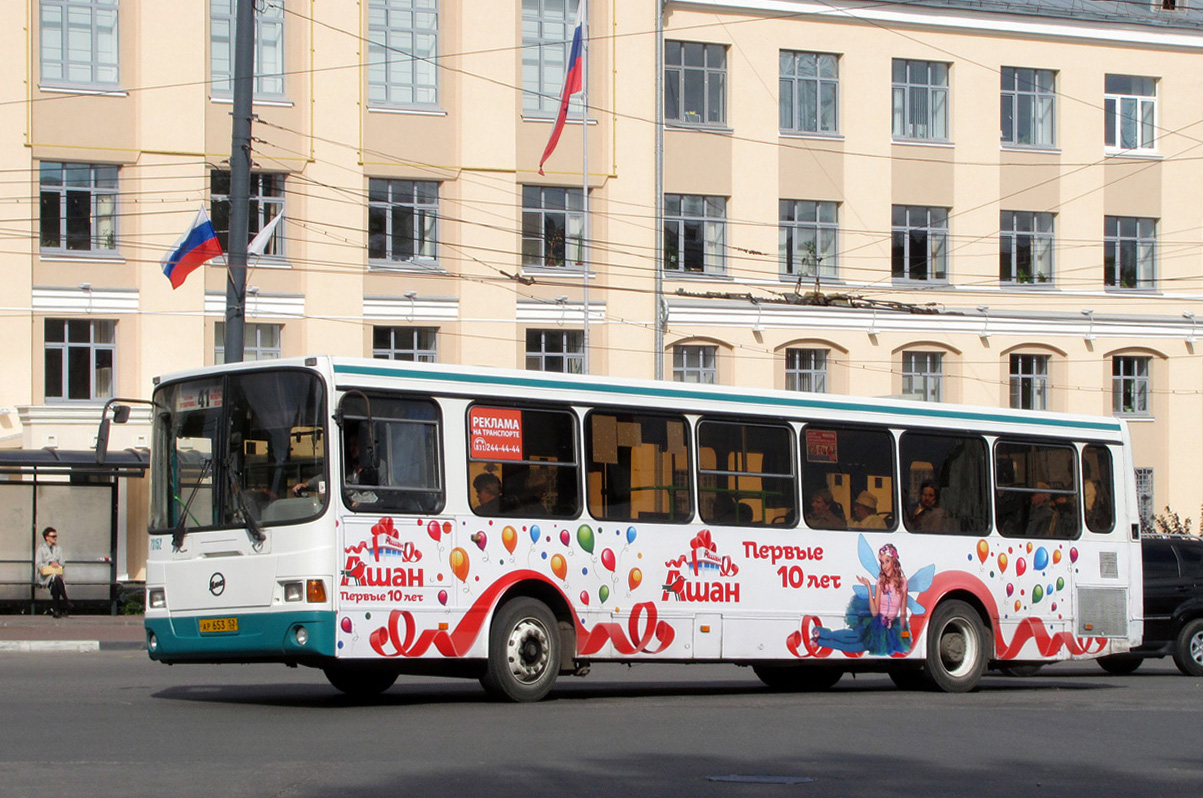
(259, 243)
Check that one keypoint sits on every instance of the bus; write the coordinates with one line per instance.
(374, 518)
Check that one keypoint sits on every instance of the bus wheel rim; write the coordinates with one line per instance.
(527, 650)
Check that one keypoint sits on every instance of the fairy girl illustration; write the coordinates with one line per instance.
(877, 615)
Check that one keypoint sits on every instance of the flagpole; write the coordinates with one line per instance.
(585, 231)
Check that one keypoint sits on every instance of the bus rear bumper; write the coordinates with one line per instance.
(259, 637)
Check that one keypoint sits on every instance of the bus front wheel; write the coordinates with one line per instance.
(524, 651)
(957, 648)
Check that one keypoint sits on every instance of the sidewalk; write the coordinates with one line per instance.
(79, 633)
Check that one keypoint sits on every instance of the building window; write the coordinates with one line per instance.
(259, 342)
(695, 234)
(79, 359)
(78, 208)
(405, 343)
(1025, 247)
(807, 238)
(1130, 112)
(923, 376)
(920, 243)
(547, 30)
(553, 226)
(1144, 498)
(808, 101)
(403, 218)
(403, 50)
(1029, 382)
(79, 42)
(269, 47)
(806, 370)
(555, 350)
(695, 83)
(1130, 252)
(920, 100)
(1028, 107)
(1130, 386)
(695, 364)
(266, 201)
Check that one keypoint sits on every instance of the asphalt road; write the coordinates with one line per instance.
(112, 723)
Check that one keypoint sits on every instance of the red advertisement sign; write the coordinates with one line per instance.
(822, 446)
(495, 433)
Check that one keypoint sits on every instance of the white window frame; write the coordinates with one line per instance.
(403, 52)
(561, 351)
(1025, 248)
(695, 224)
(416, 344)
(923, 375)
(806, 370)
(269, 48)
(547, 30)
(808, 238)
(100, 345)
(1029, 381)
(259, 342)
(64, 25)
(1130, 113)
(685, 76)
(266, 200)
(920, 100)
(1131, 386)
(393, 203)
(1129, 253)
(695, 363)
(808, 99)
(1029, 100)
(553, 227)
(930, 226)
(1144, 498)
(62, 186)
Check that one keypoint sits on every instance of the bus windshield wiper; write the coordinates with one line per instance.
(177, 535)
(253, 528)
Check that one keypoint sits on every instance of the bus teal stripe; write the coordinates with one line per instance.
(667, 392)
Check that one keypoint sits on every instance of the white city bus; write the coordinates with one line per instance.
(373, 518)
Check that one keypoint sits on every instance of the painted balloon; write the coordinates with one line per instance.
(480, 539)
(983, 550)
(630, 534)
(564, 536)
(634, 578)
(1073, 554)
(584, 536)
(459, 563)
(443, 597)
(603, 593)
(585, 597)
(1060, 583)
(509, 538)
(1056, 556)
(1037, 593)
(559, 566)
(534, 533)
(1010, 589)
(346, 625)
(1017, 605)
(434, 530)
(1021, 565)
(1054, 606)
(608, 559)
(1029, 548)
(1002, 562)
(1040, 560)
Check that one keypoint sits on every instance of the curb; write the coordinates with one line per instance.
(66, 646)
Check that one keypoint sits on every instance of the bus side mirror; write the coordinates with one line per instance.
(120, 415)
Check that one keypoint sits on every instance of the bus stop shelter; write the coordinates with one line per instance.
(69, 491)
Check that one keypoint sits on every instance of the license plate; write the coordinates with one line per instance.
(209, 626)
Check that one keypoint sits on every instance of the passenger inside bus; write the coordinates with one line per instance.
(825, 512)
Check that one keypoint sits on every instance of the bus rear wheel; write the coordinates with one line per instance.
(957, 648)
(363, 682)
(524, 651)
(797, 678)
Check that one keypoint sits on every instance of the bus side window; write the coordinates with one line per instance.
(522, 462)
(1036, 490)
(848, 478)
(1098, 498)
(945, 484)
(746, 474)
(638, 467)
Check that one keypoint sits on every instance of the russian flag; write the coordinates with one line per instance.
(193, 248)
(573, 82)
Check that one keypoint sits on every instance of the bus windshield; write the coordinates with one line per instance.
(227, 448)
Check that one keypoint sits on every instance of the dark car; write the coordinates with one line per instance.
(1173, 577)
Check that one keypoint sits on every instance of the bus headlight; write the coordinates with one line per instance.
(156, 598)
(294, 591)
(302, 635)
